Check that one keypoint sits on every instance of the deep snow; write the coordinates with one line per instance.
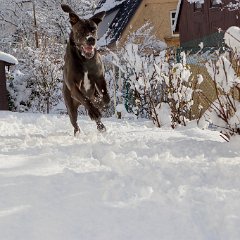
(133, 182)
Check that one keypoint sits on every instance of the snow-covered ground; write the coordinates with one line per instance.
(134, 182)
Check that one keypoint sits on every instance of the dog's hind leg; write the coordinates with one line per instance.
(73, 113)
(72, 107)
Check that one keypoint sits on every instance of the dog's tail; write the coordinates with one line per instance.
(66, 8)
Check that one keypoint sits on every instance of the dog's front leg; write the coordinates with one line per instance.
(93, 112)
(102, 100)
(101, 87)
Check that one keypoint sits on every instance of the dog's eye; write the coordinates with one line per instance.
(93, 29)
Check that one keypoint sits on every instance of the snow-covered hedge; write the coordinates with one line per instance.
(152, 84)
(35, 84)
(224, 112)
(156, 86)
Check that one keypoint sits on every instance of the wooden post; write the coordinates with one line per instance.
(115, 90)
(35, 25)
(34, 21)
(3, 88)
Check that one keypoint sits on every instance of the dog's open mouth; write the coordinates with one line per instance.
(88, 51)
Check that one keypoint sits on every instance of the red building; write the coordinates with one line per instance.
(205, 22)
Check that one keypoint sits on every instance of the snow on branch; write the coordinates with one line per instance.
(224, 112)
(232, 38)
(234, 6)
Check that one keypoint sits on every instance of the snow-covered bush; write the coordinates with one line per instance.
(122, 68)
(140, 87)
(141, 83)
(154, 86)
(35, 84)
(224, 112)
(149, 81)
(47, 63)
(114, 81)
(178, 89)
(19, 92)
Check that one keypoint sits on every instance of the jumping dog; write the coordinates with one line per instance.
(84, 81)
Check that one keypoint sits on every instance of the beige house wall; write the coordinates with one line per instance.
(208, 93)
(157, 12)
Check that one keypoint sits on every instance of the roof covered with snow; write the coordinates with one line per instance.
(5, 57)
(119, 13)
(106, 5)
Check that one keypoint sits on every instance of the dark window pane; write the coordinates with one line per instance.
(197, 7)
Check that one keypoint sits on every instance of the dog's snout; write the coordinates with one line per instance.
(91, 41)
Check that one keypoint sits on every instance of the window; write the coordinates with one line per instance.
(215, 3)
(198, 6)
(173, 15)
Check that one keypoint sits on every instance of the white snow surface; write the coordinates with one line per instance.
(133, 182)
(8, 58)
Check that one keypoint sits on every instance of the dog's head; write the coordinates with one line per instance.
(84, 31)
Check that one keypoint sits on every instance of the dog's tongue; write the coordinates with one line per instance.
(89, 49)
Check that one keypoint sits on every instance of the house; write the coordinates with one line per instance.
(126, 16)
(204, 22)
(5, 60)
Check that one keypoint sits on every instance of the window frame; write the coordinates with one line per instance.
(172, 22)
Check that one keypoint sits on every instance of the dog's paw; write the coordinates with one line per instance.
(76, 132)
(101, 127)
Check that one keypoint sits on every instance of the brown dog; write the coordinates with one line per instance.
(84, 81)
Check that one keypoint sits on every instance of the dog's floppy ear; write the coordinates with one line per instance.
(66, 8)
(72, 15)
(97, 18)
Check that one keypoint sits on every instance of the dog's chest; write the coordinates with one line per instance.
(85, 84)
